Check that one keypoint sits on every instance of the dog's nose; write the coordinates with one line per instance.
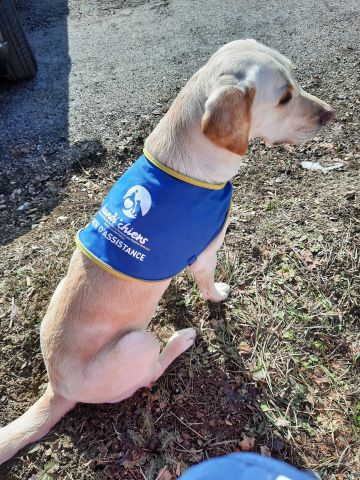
(326, 116)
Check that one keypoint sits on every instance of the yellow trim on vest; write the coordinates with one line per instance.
(180, 176)
(107, 267)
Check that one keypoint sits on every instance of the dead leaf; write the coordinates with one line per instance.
(309, 397)
(61, 219)
(259, 374)
(37, 447)
(215, 323)
(178, 469)
(265, 451)
(329, 147)
(319, 377)
(164, 474)
(245, 348)
(307, 255)
(282, 422)
(247, 443)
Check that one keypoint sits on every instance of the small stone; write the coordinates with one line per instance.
(350, 195)
(24, 206)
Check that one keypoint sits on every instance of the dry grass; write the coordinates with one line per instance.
(274, 368)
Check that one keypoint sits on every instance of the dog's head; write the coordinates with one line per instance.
(253, 93)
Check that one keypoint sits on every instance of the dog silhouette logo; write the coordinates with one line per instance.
(136, 202)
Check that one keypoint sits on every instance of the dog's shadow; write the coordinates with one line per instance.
(37, 191)
(195, 411)
(200, 408)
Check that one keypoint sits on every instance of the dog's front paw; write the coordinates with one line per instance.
(220, 293)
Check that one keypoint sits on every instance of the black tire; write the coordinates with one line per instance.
(21, 61)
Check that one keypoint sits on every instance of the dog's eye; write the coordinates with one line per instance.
(286, 98)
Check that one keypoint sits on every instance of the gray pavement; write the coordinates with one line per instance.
(103, 64)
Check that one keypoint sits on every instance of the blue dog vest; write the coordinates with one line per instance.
(154, 222)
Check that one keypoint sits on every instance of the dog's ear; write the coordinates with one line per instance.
(227, 116)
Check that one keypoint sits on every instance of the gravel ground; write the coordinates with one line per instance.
(275, 369)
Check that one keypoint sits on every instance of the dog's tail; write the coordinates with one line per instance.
(33, 424)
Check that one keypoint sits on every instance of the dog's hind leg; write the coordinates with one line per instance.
(203, 270)
(119, 369)
(122, 367)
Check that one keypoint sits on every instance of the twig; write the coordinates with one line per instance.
(187, 426)
(4, 314)
(225, 442)
(142, 473)
(13, 312)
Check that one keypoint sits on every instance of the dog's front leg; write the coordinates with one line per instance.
(204, 271)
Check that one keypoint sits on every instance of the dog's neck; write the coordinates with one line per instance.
(195, 157)
(178, 142)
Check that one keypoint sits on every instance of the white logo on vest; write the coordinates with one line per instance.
(137, 202)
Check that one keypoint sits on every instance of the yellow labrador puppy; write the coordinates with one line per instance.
(93, 336)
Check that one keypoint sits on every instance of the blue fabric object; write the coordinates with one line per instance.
(154, 222)
(244, 466)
